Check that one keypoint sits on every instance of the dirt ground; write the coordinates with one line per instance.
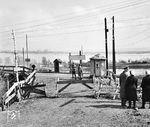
(75, 107)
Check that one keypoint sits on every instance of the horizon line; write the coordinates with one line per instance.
(50, 51)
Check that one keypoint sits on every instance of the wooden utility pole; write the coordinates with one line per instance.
(81, 49)
(80, 54)
(23, 56)
(27, 60)
(113, 47)
(70, 65)
(106, 47)
(16, 67)
(15, 53)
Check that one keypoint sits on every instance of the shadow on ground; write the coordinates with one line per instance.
(99, 101)
(105, 106)
(70, 95)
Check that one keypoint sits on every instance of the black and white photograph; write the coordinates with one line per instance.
(74, 63)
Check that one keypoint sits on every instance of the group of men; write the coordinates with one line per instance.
(128, 88)
(80, 71)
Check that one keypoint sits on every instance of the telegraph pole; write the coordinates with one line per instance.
(16, 67)
(70, 65)
(27, 60)
(113, 47)
(15, 53)
(106, 47)
(82, 49)
(80, 54)
(23, 56)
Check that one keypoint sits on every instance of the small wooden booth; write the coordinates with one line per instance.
(56, 65)
(98, 68)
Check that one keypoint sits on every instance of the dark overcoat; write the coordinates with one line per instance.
(122, 79)
(73, 69)
(146, 88)
(131, 86)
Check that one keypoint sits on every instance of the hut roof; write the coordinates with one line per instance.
(58, 60)
(98, 57)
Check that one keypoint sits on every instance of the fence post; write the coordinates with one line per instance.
(2, 104)
(7, 83)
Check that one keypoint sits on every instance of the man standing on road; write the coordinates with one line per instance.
(80, 72)
(131, 92)
(145, 89)
(122, 79)
(73, 70)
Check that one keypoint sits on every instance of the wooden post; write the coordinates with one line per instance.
(7, 81)
(3, 104)
(113, 47)
(56, 89)
(15, 53)
(23, 56)
(16, 65)
(27, 49)
(56, 86)
(106, 47)
(80, 53)
(70, 62)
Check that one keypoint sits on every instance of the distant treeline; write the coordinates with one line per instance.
(119, 65)
(132, 65)
(38, 51)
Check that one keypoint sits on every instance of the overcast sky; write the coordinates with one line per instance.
(66, 25)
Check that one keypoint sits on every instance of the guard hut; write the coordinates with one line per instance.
(56, 65)
(98, 65)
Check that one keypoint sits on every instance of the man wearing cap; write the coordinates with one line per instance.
(122, 79)
(131, 92)
(145, 85)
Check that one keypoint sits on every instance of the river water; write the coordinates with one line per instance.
(65, 56)
(37, 57)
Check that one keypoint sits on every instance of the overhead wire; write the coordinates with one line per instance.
(70, 14)
(138, 41)
(135, 34)
(62, 33)
(115, 9)
(129, 42)
(64, 19)
(81, 26)
(67, 19)
(133, 19)
(66, 27)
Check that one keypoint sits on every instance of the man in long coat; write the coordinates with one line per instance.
(73, 70)
(122, 79)
(80, 71)
(145, 89)
(131, 92)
